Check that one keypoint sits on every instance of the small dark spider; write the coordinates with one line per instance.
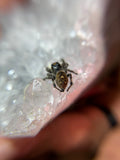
(58, 74)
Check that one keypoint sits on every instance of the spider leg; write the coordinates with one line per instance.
(48, 70)
(71, 83)
(54, 85)
(62, 60)
(64, 65)
(71, 71)
(49, 76)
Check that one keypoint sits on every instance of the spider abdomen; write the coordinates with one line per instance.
(61, 80)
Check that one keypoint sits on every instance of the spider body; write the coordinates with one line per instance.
(58, 73)
(61, 80)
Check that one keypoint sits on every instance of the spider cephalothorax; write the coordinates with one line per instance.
(58, 73)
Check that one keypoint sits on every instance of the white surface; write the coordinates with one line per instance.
(33, 37)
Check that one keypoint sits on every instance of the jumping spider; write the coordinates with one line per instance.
(58, 74)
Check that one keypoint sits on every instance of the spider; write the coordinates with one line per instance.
(59, 75)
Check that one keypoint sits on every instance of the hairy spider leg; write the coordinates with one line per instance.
(64, 65)
(50, 76)
(71, 83)
(48, 70)
(54, 85)
(69, 70)
(63, 61)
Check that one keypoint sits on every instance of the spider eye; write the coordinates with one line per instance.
(56, 66)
